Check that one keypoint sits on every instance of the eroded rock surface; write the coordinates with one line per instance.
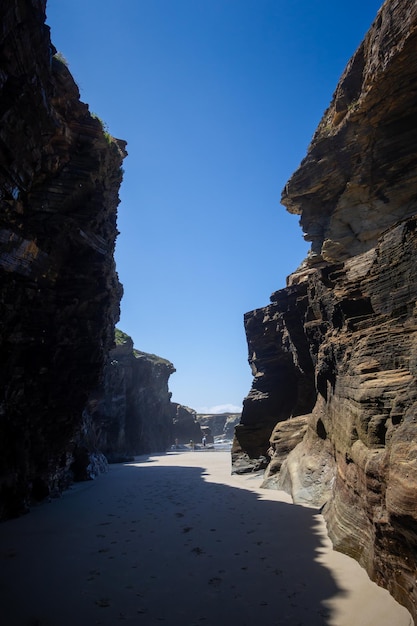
(219, 424)
(359, 175)
(185, 425)
(334, 356)
(59, 296)
(130, 413)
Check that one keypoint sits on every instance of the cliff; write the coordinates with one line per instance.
(333, 406)
(185, 425)
(59, 295)
(131, 411)
(219, 424)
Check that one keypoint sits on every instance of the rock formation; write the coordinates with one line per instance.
(131, 411)
(334, 356)
(185, 425)
(59, 296)
(219, 424)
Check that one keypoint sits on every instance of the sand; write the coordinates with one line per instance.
(175, 539)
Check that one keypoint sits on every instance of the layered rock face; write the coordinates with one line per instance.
(185, 425)
(335, 353)
(59, 296)
(283, 384)
(219, 424)
(131, 411)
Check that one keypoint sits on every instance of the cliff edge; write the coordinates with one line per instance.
(59, 295)
(332, 412)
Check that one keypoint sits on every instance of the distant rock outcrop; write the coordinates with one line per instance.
(220, 424)
(334, 356)
(59, 295)
(131, 412)
(185, 425)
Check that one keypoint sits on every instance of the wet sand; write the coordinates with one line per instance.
(176, 540)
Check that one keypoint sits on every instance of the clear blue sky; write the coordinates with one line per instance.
(218, 101)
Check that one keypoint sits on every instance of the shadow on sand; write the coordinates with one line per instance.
(159, 545)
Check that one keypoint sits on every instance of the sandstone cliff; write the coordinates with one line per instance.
(131, 411)
(334, 356)
(59, 295)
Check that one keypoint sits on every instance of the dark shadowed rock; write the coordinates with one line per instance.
(59, 295)
(185, 425)
(131, 412)
(283, 384)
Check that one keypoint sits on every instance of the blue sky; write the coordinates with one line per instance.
(218, 101)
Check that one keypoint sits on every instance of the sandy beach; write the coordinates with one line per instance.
(175, 539)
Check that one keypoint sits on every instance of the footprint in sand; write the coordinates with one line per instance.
(93, 574)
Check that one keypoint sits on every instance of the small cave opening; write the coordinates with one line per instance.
(320, 429)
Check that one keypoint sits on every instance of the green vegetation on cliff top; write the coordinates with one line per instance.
(121, 338)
